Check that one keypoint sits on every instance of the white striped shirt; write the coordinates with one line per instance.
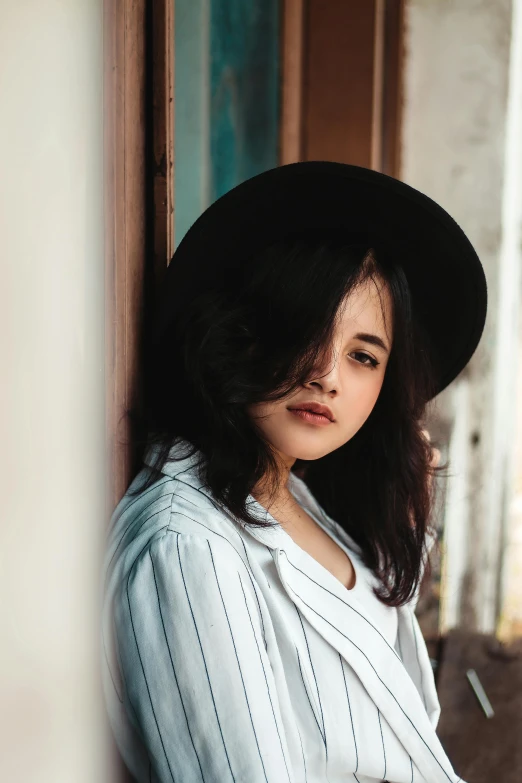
(234, 655)
(385, 617)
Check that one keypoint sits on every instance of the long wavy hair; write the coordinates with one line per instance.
(260, 335)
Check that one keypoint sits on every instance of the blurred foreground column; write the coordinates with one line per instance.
(53, 470)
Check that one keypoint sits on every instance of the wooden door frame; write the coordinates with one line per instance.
(125, 83)
(162, 132)
(138, 203)
(137, 186)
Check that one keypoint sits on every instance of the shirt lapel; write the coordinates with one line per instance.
(340, 619)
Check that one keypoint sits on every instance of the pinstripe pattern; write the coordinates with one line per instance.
(382, 677)
(382, 740)
(233, 655)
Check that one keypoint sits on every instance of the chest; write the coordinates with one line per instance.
(310, 536)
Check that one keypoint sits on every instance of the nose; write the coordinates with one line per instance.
(328, 381)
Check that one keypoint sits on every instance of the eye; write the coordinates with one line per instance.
(371, 362)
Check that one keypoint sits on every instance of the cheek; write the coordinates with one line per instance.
(255, 411)
(261, 413)
(366, 393)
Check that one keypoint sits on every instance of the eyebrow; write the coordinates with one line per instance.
(373, 339)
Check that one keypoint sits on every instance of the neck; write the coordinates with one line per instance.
(263, 490)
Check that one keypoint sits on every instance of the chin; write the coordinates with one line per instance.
(305, 448)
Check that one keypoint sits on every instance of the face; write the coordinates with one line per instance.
(349, 382)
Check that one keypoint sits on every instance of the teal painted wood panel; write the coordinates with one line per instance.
(226, 119)
(191, 113)
(244, 86)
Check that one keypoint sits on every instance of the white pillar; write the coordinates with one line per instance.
(53, 464)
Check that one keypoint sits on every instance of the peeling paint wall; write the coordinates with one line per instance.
(459, 110)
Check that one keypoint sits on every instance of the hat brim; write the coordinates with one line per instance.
(446, 278)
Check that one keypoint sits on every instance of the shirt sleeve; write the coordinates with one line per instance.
(198, 677)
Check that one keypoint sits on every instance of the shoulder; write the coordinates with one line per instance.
(183, 552)
(167, 505)
(188, 576)
(174, 534)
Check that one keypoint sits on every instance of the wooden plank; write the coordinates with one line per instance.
(291, 82)
(392, 87)
(124, 210)
(352, 82)
(124, 137)
(162, 46)
(377, 85)
(338, 80)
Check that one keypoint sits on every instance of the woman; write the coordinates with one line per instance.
(263, 567)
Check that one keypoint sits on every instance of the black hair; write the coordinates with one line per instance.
(258, 336)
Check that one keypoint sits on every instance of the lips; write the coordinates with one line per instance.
(314, 407)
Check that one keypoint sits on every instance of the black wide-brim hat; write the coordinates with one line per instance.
(446, 278)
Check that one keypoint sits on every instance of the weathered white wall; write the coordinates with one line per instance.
(510, 622)
(460, 147)
(52, 724)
